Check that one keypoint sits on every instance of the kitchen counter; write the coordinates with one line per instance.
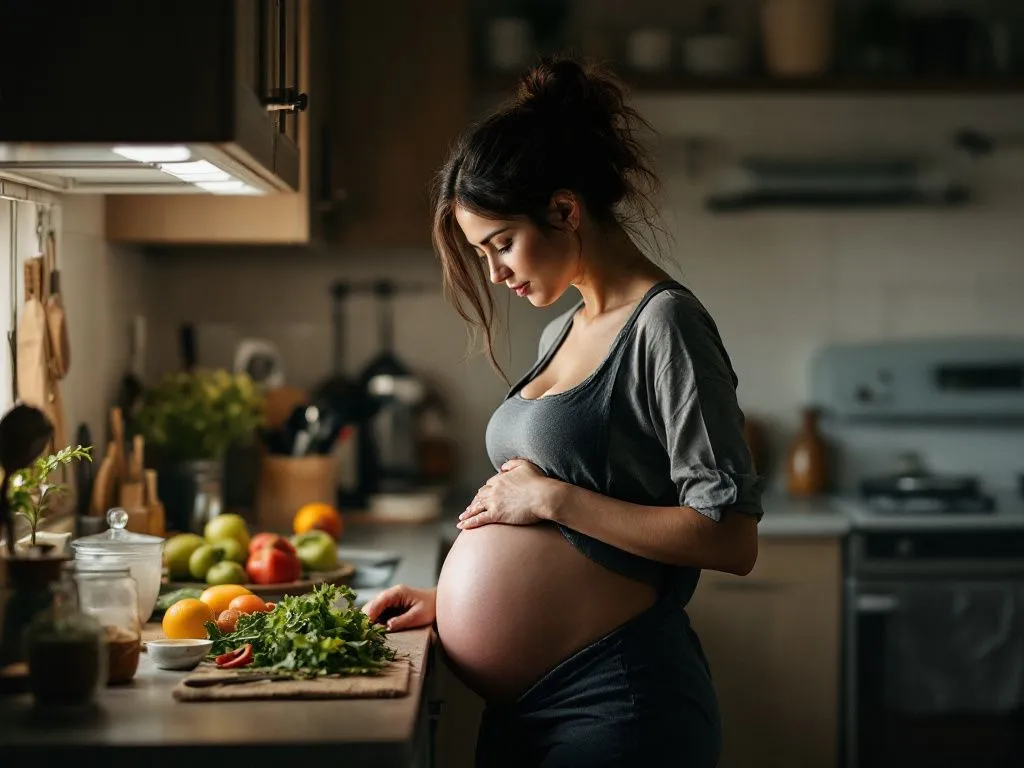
(788, 516)
(142, 721)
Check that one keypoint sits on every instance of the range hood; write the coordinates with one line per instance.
(162, 97)
(198, 168)
(827, 182)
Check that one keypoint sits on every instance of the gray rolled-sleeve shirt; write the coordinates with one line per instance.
(656, 423)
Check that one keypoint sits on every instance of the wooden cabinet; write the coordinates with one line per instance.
(274, 60)
(388, 93)
(399, 97)
(773, 641)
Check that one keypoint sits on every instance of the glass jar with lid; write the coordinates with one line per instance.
(66, 650)
(110, 595)
(141, 554)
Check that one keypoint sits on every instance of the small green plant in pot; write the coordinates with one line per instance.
(190, 420)
(30, 492)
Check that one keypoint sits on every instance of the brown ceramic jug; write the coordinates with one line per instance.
(806, 464)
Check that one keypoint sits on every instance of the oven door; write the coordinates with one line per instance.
(935, 673)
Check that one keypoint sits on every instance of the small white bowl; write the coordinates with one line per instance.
(178, 654)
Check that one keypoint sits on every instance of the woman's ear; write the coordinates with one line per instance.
(564, 210)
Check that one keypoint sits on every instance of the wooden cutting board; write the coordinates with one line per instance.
(411, 648)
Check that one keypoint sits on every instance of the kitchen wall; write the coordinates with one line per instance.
(780, 283)
(101, 288)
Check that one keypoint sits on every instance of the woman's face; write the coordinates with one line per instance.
(535, 264)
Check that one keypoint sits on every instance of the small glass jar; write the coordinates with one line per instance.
(111, 596)
(207, 480)
(119, 548)
(66, 649)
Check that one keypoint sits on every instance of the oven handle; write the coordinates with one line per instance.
(877, 604)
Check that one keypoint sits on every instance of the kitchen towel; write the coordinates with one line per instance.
(956, 647)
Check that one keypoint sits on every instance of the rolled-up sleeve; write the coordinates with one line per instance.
(698, 419)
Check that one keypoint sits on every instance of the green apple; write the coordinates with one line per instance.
(232, 549)
(203, 559)
(177, 552)
(227, 526)
(317, 551)
(226, 572)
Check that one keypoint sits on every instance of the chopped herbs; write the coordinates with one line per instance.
(308, 636)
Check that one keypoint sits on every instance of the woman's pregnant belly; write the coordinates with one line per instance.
(513, 601)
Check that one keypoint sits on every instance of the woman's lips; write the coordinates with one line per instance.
(522, 290)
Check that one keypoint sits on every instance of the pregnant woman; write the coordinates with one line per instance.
(621, 465)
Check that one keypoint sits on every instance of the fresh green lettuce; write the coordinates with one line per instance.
(308, 636)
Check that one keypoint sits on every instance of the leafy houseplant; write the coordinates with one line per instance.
(31, 494)
(190, 420)
(198, 415)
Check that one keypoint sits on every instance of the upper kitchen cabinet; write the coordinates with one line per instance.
(268, 65)
(398, 98)
(187, 113)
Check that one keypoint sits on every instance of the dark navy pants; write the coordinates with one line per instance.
(641, 695)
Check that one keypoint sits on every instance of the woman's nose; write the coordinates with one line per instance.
(499, 272)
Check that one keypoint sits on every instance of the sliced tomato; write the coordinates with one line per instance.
(239, 657)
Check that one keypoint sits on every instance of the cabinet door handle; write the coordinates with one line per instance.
(877, 604)
(289, 102)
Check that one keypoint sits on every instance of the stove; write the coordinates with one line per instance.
(931, 439)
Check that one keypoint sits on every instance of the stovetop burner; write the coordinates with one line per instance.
(926, 493)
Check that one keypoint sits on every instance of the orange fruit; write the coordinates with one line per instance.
(220, 596)
(227, 622)
(248, 604)
(318, 517)
(185, 619)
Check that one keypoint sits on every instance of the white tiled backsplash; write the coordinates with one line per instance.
(780, 284)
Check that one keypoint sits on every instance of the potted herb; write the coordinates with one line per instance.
(31, 494)
(190, 420)
(30, 571)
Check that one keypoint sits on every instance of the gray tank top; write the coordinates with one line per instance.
(656, 423)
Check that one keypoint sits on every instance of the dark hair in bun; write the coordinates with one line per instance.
(567, 126)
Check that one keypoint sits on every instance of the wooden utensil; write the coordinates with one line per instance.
(138, 462)
(132, 487)
(117, 435)
(131, 496)
(150, 482)
(56, 317)
(33, 342)
(157, 514)
(104, 487)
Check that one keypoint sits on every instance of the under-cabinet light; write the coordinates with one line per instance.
(174, 153)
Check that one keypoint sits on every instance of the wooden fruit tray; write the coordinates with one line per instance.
(341, 575)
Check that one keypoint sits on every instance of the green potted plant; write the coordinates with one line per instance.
(29, 571)
(190, 420)
(31, 494)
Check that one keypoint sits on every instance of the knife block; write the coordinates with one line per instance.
(286, 483)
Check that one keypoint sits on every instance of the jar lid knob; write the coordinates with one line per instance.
(117, 518)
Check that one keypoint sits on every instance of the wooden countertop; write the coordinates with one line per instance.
(141, 721)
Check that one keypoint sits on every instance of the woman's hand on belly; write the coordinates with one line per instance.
(518, 495)
(401, 607)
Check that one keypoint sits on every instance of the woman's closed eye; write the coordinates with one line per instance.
(504, 248)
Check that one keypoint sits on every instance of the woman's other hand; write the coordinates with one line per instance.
(401, 607)
(518, 495)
